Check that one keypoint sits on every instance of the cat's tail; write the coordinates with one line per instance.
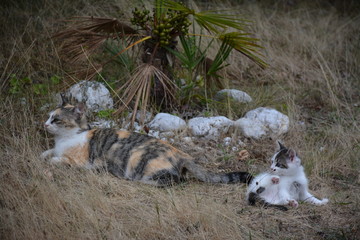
(206, 176)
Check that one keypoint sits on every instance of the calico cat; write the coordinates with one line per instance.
(131, 156)
(287, 187)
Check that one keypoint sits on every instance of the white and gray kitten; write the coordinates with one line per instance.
(286, 184)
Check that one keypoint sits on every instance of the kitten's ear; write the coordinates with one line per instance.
(281, 146)
(292, 154)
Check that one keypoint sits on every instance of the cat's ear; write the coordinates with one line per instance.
(281, 146)
(292, 154)
(63, 100)
(80, 109)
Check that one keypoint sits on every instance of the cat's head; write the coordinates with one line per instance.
(285, 161)
(66, 119)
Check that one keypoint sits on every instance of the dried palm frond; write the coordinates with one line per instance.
(97, 25)
(80, 45)
(138, 88)
(87, 34)
(105, 25)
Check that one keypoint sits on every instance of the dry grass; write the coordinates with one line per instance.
(313, 77)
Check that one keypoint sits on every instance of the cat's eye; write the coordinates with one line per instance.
(257, 183)
(55, 120)
(281, 165)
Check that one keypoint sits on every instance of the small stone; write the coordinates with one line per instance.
(236, 95)
(165, 122)
(227, 141)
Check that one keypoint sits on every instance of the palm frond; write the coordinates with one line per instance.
(219, 59)
(80, 45)
(87, 34)
(245, 45)
(160, 9)
(176, 6)
(191, 56)
(210, 20)
(99, 25)
(138, 88)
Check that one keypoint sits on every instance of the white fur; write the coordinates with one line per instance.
(64, 139)
(291, 187)
(271, 192)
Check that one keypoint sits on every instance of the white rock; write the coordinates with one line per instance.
(165, 122)
(251, 128)
(263, 121)
(187, 140)
(235, 149)
(155, 134)
(227, 141)
(236, 95)
(94, 94)
(209, 127)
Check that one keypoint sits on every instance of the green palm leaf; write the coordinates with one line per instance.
(245, 45)
(213, 21)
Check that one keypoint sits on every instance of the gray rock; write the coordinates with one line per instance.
(263, 122)
(94, 94)
(209, 127)
(236, 95)
(165, 122)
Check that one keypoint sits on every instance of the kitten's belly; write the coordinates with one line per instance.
(271, 197)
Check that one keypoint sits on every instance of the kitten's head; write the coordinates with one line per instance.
(285, 161)
(67, 119)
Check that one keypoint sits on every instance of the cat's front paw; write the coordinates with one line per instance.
(293, 203)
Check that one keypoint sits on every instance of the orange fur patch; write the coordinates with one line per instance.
(134, 160)
(123, 134)
(78, 155)
(157, 164)
(90, 133)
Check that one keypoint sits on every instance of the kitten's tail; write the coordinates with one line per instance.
(206, 176)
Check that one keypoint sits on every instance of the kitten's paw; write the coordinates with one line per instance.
(46, 154)
(293, 203)
(324, 201)
(275, 180)
(56, 159)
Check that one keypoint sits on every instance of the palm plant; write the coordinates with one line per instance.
(156, 34)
